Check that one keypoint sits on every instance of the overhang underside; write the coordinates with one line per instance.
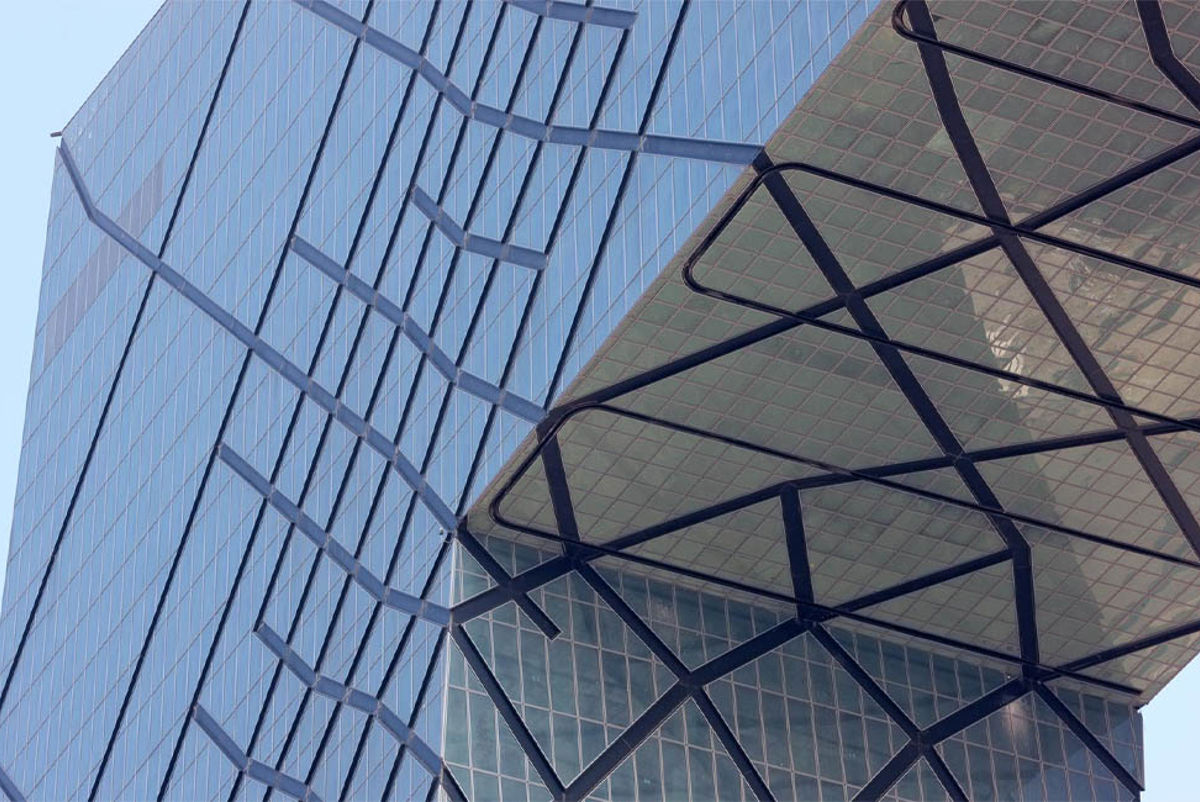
(931, 366)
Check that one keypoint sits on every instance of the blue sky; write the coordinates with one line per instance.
(56, 52)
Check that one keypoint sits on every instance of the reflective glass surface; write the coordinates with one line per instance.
(316, 272)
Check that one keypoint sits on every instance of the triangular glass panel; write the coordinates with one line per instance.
(412, 780)
(985, 412)
(461, 298)
(626, 474)
(864, 538)
(456, 446)
(1151, 219)
(303, 296)
(328, 773)
(398, 375)
(482, 752)
(259, 420)
(426, 674)
(805, 392)
(203, 773)
(979, 310)
(871, 235)
(840, 317)
(758, 257)
(943, 481)
(681, 759)
(470, 577)
(1100, 489)
(309, 721)
(577, 691)
(887, 132)
(1092, 597)
(1140, 328)
(518, 556)
(1117, 726)
(918, 784)
(370, 777)
(415, 674)
(978, 609)
(795, 710)
(669, 320)
(1022, 126)
(1100, 47)
(351, 360)
(526, 502)
(506, 435)
(500, 320)
(1024, 751)
(747, 545)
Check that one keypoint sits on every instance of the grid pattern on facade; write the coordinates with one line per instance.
(543, 493)
(681, 707)
(273, 365)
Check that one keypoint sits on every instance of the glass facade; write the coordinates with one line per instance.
(809, 727)
(315, 274)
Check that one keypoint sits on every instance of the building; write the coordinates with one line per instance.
(553, 400)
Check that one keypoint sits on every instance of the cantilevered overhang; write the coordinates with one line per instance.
(932, 366)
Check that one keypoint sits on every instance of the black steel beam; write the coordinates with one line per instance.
(1122, 774)
(797, 548)
(512, 718)
(1132, 104)
(993, 453)
(988, 195)
(945, 776)
(658, 530)
(429, 355)
(890, 774)
(504, 580)
(865, 681)
(1027, 227)
(1159, 44)
(9, 788)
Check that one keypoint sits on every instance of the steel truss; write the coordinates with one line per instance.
(576, 555)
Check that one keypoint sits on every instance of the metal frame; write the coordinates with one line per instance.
(365, 703)
(431, 582)
(682, 147)
(850, 298)
(576, 554)
(464, 380)
(247, 766)
(379, 384)
(11, 792)
(236, 584)
(312, 468)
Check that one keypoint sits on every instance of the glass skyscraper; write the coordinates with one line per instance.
(608, 400)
